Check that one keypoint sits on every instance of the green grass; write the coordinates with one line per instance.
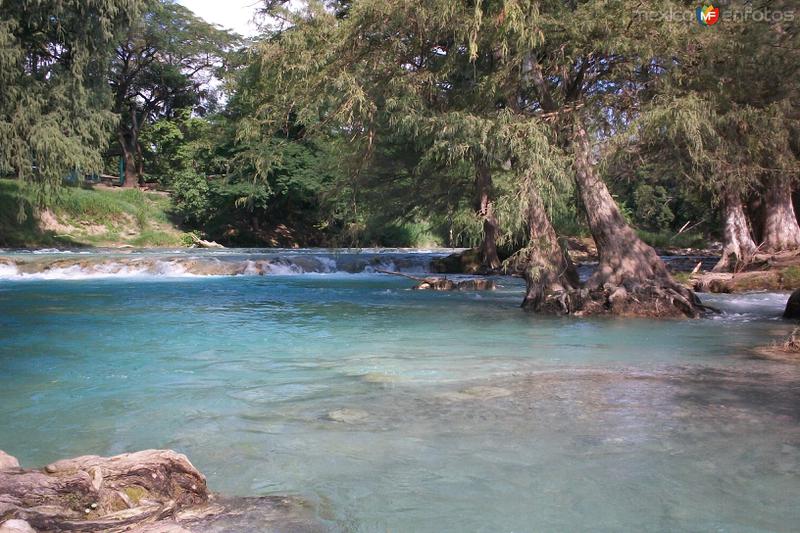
(18, 225)
(671, 240)
(91, 217)
(791, 277)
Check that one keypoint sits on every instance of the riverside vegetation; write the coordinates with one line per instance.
(573, 144)
(500, 125)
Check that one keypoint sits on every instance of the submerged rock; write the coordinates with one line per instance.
(378, 377)
(787, 351)
(347, 416)
(479, 392)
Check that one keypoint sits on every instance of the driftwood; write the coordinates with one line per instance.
(153, 491)
(433, 283)
(200, 243)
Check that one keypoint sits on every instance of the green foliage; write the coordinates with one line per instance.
(20, 231)
(723, 126)
(86, 217)
(162, 70)
(669, 239)
(652, 209)
(791, 277)
(192, 196)
(54, 105)
(363, 123)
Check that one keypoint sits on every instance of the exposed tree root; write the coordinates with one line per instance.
(645, 300)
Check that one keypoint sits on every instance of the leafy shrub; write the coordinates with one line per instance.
(651, 207)
(192, 197)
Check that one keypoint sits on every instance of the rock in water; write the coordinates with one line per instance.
(793, 306)
(347, 416)
(7, 462)
(154, 491)
(92, 493)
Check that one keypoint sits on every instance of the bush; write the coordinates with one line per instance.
(192, 197)
(651, 207)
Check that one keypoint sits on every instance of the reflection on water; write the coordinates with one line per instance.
(392, 409)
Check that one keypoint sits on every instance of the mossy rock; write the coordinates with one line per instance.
(758, 280)
(135, 493)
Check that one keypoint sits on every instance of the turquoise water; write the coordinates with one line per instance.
(397, 410)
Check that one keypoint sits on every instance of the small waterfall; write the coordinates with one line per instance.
(51, 264)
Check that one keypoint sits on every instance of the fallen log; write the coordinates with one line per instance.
(433, 283)
(200, 243)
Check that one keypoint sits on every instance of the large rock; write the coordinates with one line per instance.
(7, 462)
(92, 493)
(153, 491)
(793, 306)
(16, 526)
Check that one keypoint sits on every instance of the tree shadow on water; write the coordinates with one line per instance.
(773, 393)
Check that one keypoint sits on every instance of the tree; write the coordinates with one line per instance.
(55, 111)
(362, 70)
(163, 65)
(581, 64)
(730, 128)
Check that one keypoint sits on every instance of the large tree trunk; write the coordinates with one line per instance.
(781, 231)
(754, 211)
(129, 142)
(739, 248)
(630, 278)
(549, 271)
(131, 174)
(491, 228)
(129, 156)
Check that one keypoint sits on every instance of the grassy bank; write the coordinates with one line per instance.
(85, 217)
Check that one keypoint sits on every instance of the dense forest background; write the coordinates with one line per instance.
(487, 123)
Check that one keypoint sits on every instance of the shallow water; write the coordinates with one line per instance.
(393, 409)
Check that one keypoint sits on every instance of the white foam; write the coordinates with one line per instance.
(137, 265)
(50, 251)
(385, 264)
(8, 271)
(328, 264)
(283, 269)
(160, 269)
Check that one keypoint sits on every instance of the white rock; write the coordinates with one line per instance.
(16, 526)
(7, 462)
